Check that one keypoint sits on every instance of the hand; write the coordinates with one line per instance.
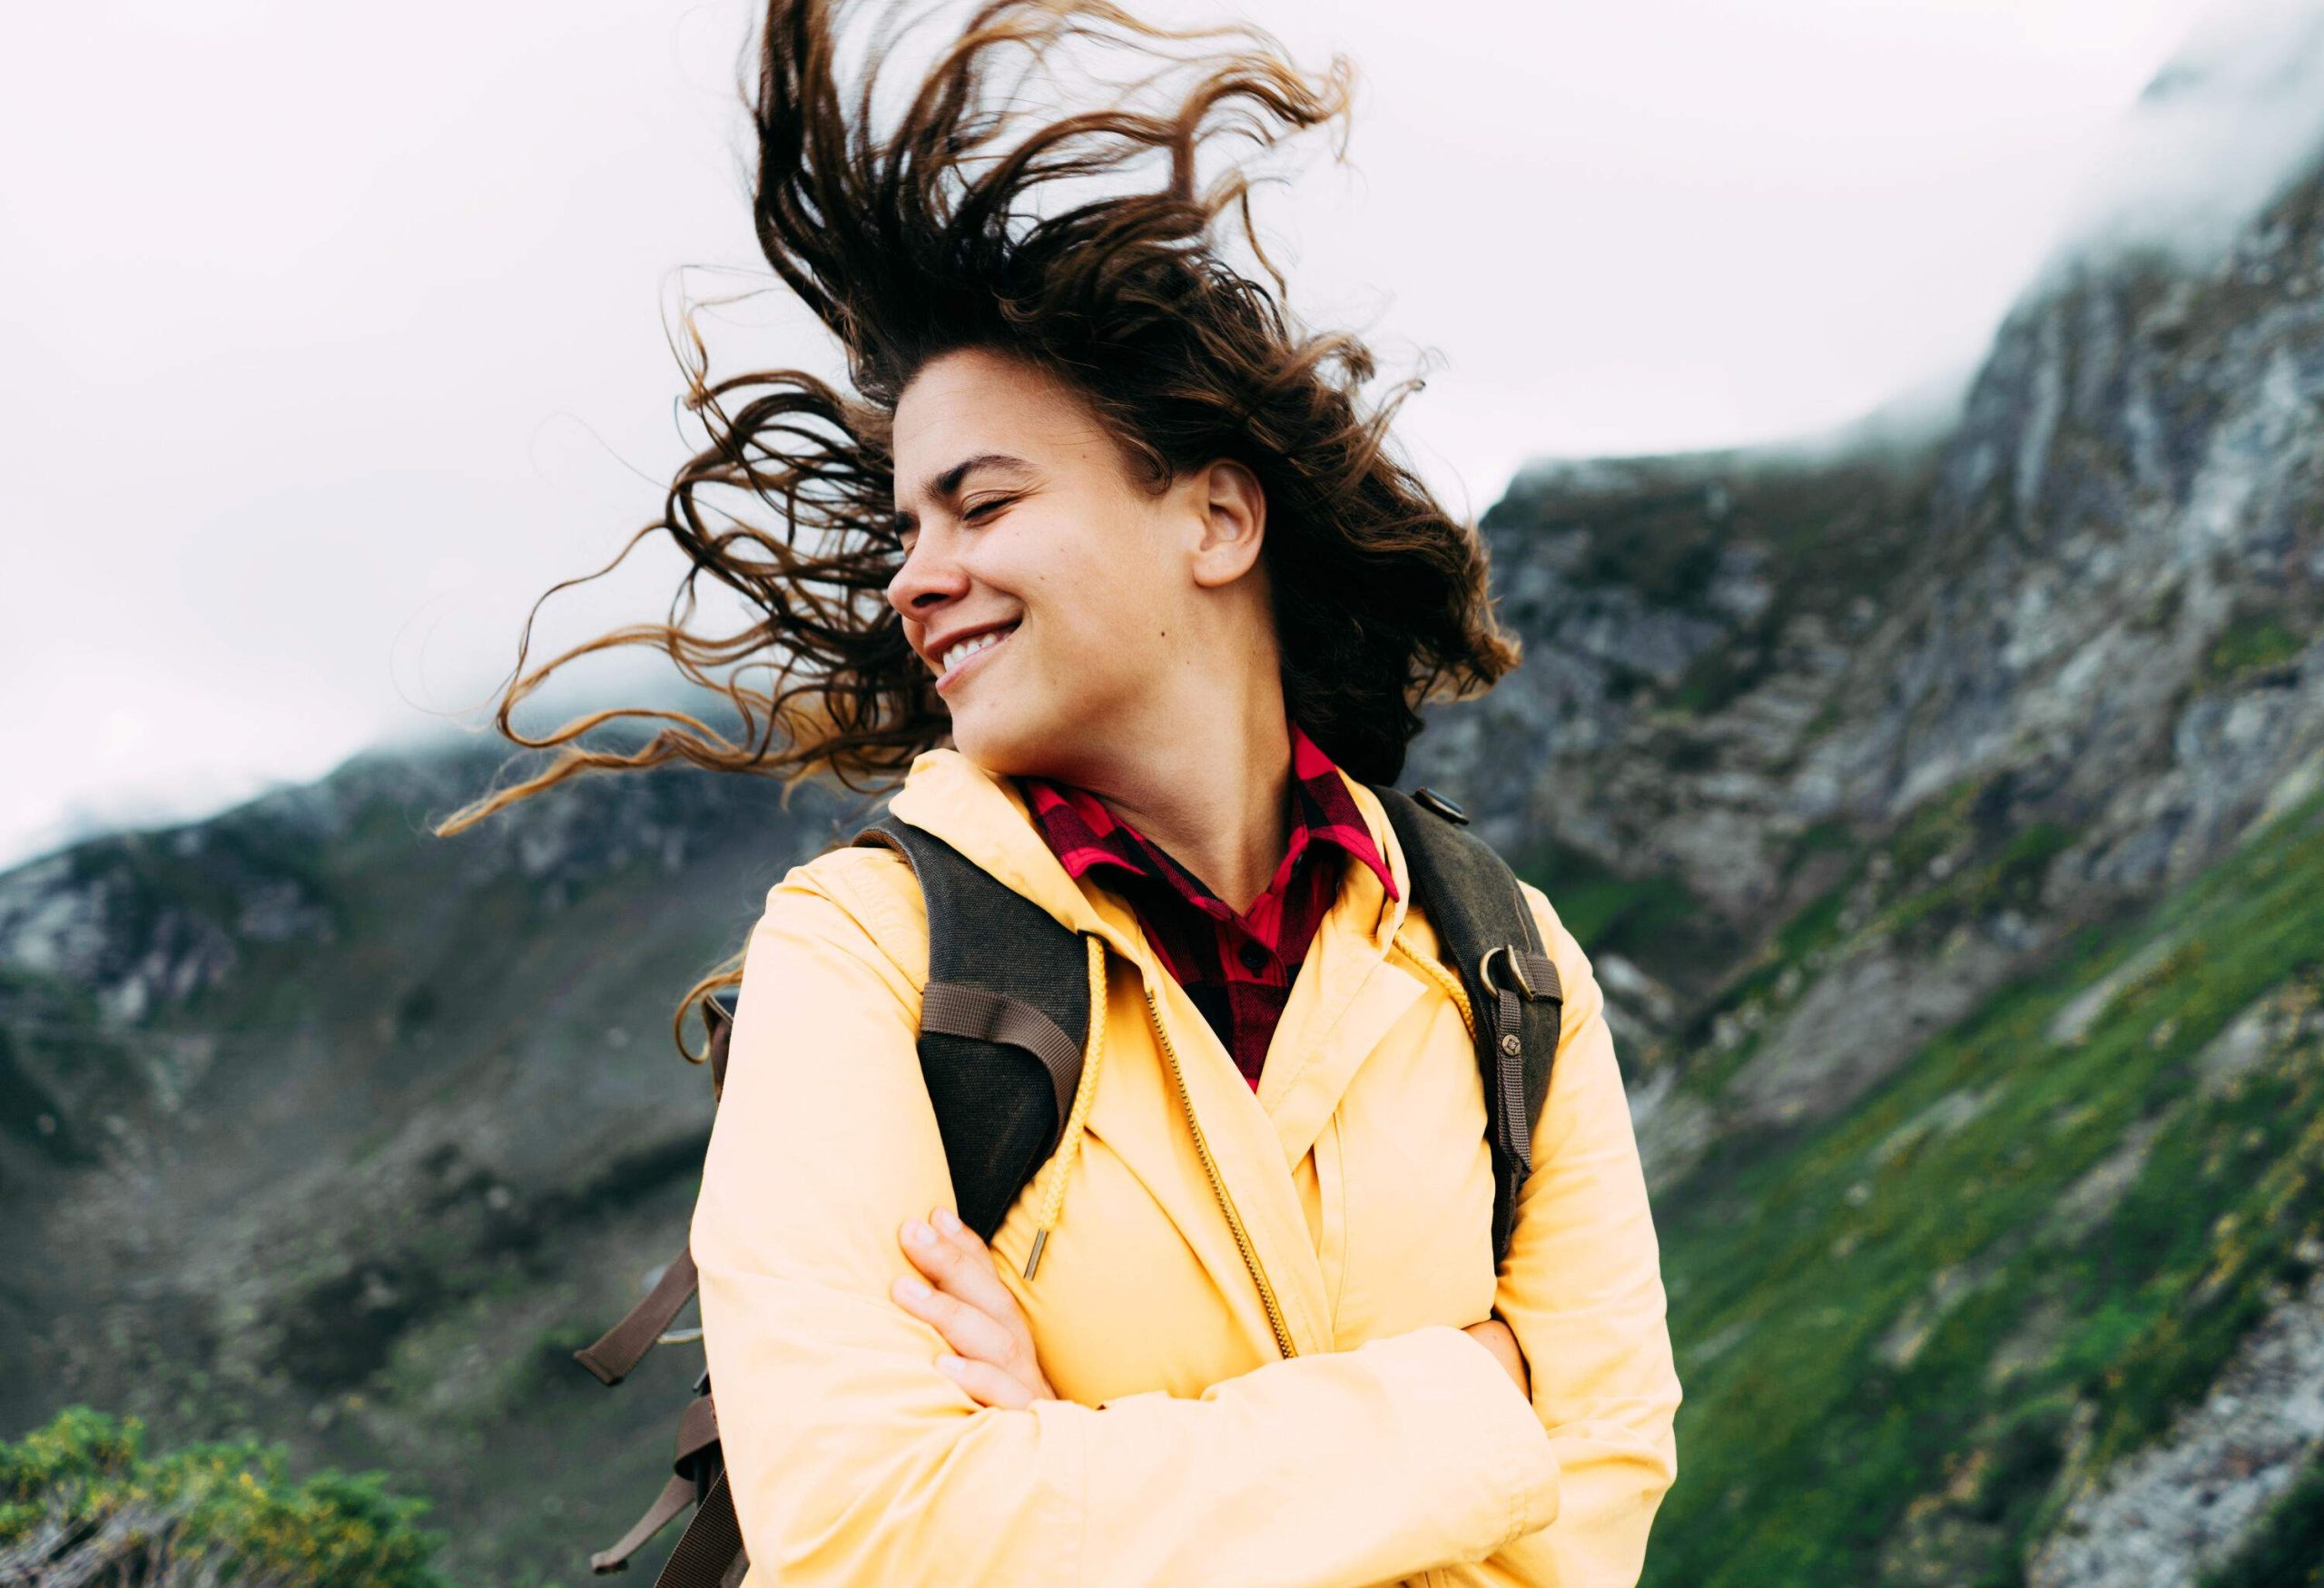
(1499, 1338)
(975, 1313)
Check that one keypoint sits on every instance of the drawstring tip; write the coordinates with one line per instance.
(1068, 1145)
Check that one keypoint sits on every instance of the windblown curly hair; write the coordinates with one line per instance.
(1077, 239)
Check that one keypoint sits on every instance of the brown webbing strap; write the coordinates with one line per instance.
(1509, 1058)
(1540, 973)
(992, 1017)
(712, 1543)
(676, 1496)
(697, 1431)
(697, 1427)
(618, 1351)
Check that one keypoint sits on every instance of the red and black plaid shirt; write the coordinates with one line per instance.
(1237, 969)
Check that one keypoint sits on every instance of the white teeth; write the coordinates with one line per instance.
(970, 648)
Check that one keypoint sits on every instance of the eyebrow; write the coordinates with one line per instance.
(942, 487)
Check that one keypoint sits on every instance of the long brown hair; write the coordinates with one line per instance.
(965, 226)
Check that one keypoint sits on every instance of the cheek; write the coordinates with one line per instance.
(1078, 663)
(1112, 642)
(1122, 607)
(1096, 621)
(1098, 617)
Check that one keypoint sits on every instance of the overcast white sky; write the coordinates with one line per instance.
(330, 336)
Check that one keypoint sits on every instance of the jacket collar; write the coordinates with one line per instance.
(984, 817)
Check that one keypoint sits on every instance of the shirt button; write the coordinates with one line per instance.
(1255, 958)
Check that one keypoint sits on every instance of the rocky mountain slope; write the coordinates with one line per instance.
(1943, 810)
(1945, 817)
(322, 1128)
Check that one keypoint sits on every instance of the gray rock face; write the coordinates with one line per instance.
(2095, 603)
(1855, 1025)
(99, 918)
(2112, 590)
(2169, 1514)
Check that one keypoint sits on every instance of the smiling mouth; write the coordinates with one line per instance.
(964, 655)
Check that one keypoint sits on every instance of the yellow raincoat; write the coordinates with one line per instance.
(1251, 1301)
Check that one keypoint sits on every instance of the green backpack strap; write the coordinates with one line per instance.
(1489, 937)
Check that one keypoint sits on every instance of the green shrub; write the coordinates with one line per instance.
(81, 1502)
(2253, 643)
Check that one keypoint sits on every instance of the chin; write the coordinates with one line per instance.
(1010, 746)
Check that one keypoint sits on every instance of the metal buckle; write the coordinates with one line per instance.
(1516, 969)
(1431, 800)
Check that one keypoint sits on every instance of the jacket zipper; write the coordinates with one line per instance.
(1218, 1185)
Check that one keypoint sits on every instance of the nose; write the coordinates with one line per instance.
(930, 576)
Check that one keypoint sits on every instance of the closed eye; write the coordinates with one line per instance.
(980, 512)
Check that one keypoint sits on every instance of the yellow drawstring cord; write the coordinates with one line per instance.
(1068, 1146)
(1444, 979)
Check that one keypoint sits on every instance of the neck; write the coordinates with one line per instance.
(1208, 780)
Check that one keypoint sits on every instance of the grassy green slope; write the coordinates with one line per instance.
(1896, 1330)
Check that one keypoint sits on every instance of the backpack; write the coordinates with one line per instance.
(1006, 984)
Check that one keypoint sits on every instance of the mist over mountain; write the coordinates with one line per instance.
(1942, 803)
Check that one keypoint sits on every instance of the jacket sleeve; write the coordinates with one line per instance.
(853, 1460)
(1582, 1291)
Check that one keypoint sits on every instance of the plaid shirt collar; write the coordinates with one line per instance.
(1084, 835)
(1237, 969)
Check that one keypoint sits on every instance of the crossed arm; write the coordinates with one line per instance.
(992, 1358)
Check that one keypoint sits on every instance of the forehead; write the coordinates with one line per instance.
(975, 402)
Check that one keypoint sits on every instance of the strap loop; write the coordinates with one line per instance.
(1516, 968)
(619, 1350)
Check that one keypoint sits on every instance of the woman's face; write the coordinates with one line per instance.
(1055, 600)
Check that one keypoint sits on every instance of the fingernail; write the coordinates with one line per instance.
(919, 1234)
(951, 1364)
(946, 1222)
(912, 1289)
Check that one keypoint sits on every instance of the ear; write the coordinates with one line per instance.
(1235, 521)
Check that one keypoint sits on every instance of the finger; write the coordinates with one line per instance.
(966, 1329)
(974, 1278)
(986, 1383)
(930, 1252)
(948, 1224)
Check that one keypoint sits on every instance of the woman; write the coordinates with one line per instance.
(1105, 554)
